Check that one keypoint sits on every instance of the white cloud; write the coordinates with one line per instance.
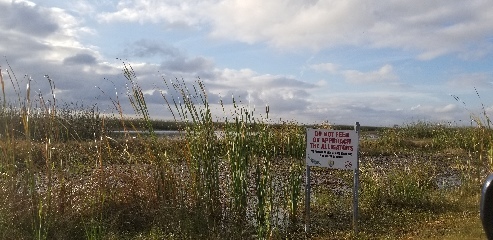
(415, 107)
(249, 79)
(327, 67)
(440, 111)
(285, 95)
(172, 12)
(384, 74)
(446, 109)
(467, 82)
(289, 24)
(36, 33)
(432, 28)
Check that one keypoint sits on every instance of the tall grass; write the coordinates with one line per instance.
(202, 151)
(63, 173)
(33, 167)
(248, 146)
(485, 130)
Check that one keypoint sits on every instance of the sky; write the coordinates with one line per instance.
(377, 62)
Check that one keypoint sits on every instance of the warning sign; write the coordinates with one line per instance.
(332, 148)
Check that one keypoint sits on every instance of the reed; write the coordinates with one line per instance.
(239, 153)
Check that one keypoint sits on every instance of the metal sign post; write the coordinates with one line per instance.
(337, 149)
(356, 184)
(307, 199)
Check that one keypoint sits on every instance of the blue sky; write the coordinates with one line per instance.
(377, 62)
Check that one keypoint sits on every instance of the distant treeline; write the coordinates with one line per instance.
(166, 125)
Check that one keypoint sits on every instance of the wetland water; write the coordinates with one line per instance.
(162, 133)
(445, 178)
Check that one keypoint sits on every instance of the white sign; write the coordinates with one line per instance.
(332, 148)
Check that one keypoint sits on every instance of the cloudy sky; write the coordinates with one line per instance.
(378, 62)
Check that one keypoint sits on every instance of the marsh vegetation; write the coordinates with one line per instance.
(64, 174)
